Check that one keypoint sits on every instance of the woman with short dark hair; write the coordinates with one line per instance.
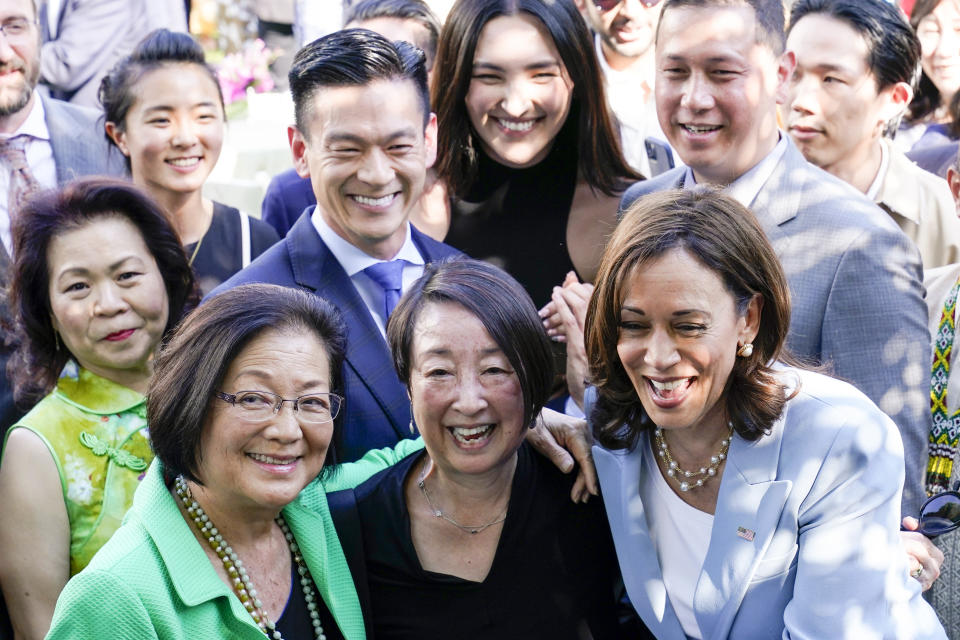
(99, 279)
(748, 498)
(477, 525)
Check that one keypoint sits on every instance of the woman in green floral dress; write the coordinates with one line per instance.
(99, 278)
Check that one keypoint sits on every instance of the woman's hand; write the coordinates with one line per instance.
(570, 305)
(563, 440)
(577, 295)
(923, 557)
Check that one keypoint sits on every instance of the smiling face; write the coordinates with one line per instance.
(520, 92)
(836, 114)
(627, 30)
(939, 34)
(466, 397)
(366, 152)
(262, 466)
(19, 55)
(107, 298)
(717, 90)
(173, 132)
(679, 334)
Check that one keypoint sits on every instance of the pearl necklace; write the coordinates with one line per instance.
(702, 474)
(242, 585)
(440, 514)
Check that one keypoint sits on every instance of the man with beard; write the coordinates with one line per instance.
(58, 142)
(625, 31)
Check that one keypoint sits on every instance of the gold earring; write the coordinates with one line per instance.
(745, 350)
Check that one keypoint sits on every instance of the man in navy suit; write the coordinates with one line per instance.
(364, 136)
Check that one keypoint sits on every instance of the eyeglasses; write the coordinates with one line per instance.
(16, 29)
(608, 5)
(260, 406)
(940, 513)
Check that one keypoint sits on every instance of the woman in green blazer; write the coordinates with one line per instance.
(233, 503)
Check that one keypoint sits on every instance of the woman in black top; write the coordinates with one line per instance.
(164, 111)
(526, 146)
(476, 537)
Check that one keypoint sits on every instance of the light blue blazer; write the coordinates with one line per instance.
(805, 540)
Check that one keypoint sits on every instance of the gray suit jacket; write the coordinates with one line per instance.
(91, 35)
(856, 285)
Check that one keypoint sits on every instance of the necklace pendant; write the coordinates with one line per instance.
(438, 513)
(473, 530)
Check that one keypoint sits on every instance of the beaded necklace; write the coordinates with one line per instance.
(242, 585)
(686, 479)
(945, 433)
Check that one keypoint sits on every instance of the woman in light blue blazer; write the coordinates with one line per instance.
(747, 498)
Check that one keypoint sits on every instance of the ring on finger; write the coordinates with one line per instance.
(916, 573)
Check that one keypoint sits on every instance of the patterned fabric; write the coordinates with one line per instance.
(389, 275)
(96, 431)
(22, 181)
(945, 433)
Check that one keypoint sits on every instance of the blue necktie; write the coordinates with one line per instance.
(389, 275)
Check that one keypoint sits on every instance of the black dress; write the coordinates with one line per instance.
(517, 218)
(220, 254)
(553, 575)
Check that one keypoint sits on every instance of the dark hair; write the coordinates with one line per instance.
(158, 49)
(37, 362)
(927, 99)
(893, 49)
(415, 10)
(501, 304)
(353, 57)
(189, 369)
(601, 162)
(769, 15)
(725, 237)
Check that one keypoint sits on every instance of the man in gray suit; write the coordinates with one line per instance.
(854, 277)
(60, 141)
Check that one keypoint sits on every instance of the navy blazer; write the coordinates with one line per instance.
(377, 409)
(287, 196)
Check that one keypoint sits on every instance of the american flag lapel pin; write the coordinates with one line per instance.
(745, 533)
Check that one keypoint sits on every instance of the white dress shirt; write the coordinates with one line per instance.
(746, 188)
(354, 261)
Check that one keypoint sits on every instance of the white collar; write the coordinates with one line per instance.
(881, 173)
(35, 126)
(745, 188)
(353, 259)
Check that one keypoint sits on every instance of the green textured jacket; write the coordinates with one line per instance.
(153, 580)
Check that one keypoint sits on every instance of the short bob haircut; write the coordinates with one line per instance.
(501, 304)
(927, 99)
(190, 368)
(601, 160)
(38, 360)
(726, 238)
(159, 49)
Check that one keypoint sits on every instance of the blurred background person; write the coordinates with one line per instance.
(99, 279)
(768, 499)
(855, 64)
(83, 39)
(526, 145)
(164, 112)
(930, 121)
(624, 33)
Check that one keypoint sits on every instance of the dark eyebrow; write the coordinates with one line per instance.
(167, 107)
(533, 66)
(83, 270)
(355, 139)
(675, 314)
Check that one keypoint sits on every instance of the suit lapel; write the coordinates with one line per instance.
(620, 476)
(315, 268)
(778, 200)
(67, 147)
(750, 503)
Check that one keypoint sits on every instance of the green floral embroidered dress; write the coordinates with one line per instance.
(96, 431)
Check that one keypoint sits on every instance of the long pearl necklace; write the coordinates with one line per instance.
(686, 477)
(440, 514)
(242, 585)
